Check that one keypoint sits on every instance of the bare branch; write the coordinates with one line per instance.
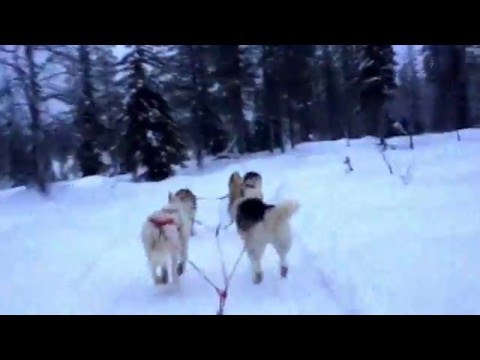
(386, 162)
(18, 69)
(57, 96)
(227, 153)
(349, 164)
(51, 76)
(60, 53)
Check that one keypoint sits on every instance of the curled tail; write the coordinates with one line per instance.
(284, 211)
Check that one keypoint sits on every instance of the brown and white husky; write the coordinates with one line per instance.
(250, 186)
(189, 201)
(235, 192)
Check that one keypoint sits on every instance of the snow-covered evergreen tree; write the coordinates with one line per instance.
(409, 86)
(87, 118)
(332, 93)
(153, 145)
(348, 68)
(109, 101)
(377, 83)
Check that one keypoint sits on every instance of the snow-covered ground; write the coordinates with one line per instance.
(365, 242)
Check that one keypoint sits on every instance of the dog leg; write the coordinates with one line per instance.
(283, 263)
(282, 247)
(193, 225)
(153, 271)
(183, 258)
(255, 254)
(164, 276)
(183, 249)
(180, 269)
(175, 269)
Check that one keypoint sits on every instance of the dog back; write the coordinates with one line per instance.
(160, 239)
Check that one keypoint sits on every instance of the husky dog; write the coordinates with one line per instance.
(250, 186)
(189, 201)
(259, 224)
(165, 236)
(235, 192)
(252, 183)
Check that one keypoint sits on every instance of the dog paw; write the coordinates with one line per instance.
(283, 271)
(164, 277)
(180, 269)
(258, 278)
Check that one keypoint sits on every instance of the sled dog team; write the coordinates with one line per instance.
(165, 233)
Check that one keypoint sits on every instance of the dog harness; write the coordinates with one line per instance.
(161, 223)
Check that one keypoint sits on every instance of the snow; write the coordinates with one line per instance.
(151, 139)
(365, 243)
(214, 87)
(372, 79)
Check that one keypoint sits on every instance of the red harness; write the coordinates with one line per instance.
(161, 223)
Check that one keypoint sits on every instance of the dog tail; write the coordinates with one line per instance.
(285, 210)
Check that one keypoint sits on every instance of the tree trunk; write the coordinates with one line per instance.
(195, 111)
(40, 167)
(230, 55)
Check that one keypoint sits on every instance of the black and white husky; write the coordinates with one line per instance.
(252, 184)
(259, 224)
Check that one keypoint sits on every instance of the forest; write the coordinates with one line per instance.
(71, 111)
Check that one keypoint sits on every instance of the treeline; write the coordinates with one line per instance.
(68, 111)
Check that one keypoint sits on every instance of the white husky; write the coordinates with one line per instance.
(165, 236)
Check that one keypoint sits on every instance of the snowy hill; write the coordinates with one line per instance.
(365, 242)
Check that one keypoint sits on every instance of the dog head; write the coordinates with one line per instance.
(182, 195)
(252, 185)
(185, 199)
(252, 180)
(250, 212)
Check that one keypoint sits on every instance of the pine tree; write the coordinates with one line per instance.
(211, 134)
(460, 98)
(377, 82)
(88, 118)
(349, 71)
(297, 84)
(109, 102)
(229, 75)
(332, 95)
(410, 86)
(445, 70)
(261, 139)
(153, 144)
(192, 88)
(251, 87)
(272, 93)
